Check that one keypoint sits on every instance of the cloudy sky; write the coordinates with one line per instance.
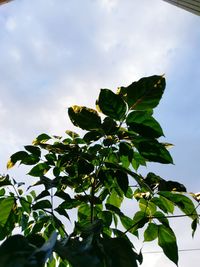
(54, 54)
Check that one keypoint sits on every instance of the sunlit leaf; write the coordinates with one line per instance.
(85, 118)
(144, 94)
(42, 138)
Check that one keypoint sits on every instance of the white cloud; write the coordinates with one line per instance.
(56, 55)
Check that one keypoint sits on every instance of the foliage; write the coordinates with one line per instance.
(94, 175)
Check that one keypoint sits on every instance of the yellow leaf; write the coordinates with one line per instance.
(10, 164)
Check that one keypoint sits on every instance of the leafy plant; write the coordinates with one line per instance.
(94, 174)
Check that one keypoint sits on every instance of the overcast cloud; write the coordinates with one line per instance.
(54, 54)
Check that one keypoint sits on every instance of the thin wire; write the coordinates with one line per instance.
(180, 250)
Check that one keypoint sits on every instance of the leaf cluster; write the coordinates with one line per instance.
(94, 174)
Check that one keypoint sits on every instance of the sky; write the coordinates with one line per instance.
(54, 54)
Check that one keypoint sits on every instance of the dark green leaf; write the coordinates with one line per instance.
(114, 209)
(39, 170)
(43, 204)
(33, 150)
(18, 156)
(30, 160)
(119, 252)
(44, 193)
(154, 151)
(144, 124)
(109, 126)
(171, 186)
(125, 149)
(85, 118)
(144, 94)
(139, 220)
(111, 104)
(194, 226)
(84, 166)
(151, 232)
(106, 217)
(122, 180)
(5, 180)
(6, 205)
(167, 241)
(63, 195)
(62, 211)
(92, 136)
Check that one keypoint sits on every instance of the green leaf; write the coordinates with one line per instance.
(163, 204)
(44, 193)
(84, 166)
(128, 224)
(109, 126)
(114, 209)
(5, 180)
(171, 186)
(43, 204)
(6, 205)
(122, 180)
(183, 202)
(92, 136)
(125, 149)
(144, 124)
(18, 156)
(144, 94)
(119, 252)
(2, 192)
(151, 233)
(106, 217)
(84, 212)
(62, 211)
(111, 104)
(39, 170)
(194, 226)
(114, 199)
(161, 218)
(147, 206)
(137, 161)
(167, 241)
(72, 134)
(154, 151)
(42, 138)
(33, 150)
(26, 206)
(85, 118)
(139, 220)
